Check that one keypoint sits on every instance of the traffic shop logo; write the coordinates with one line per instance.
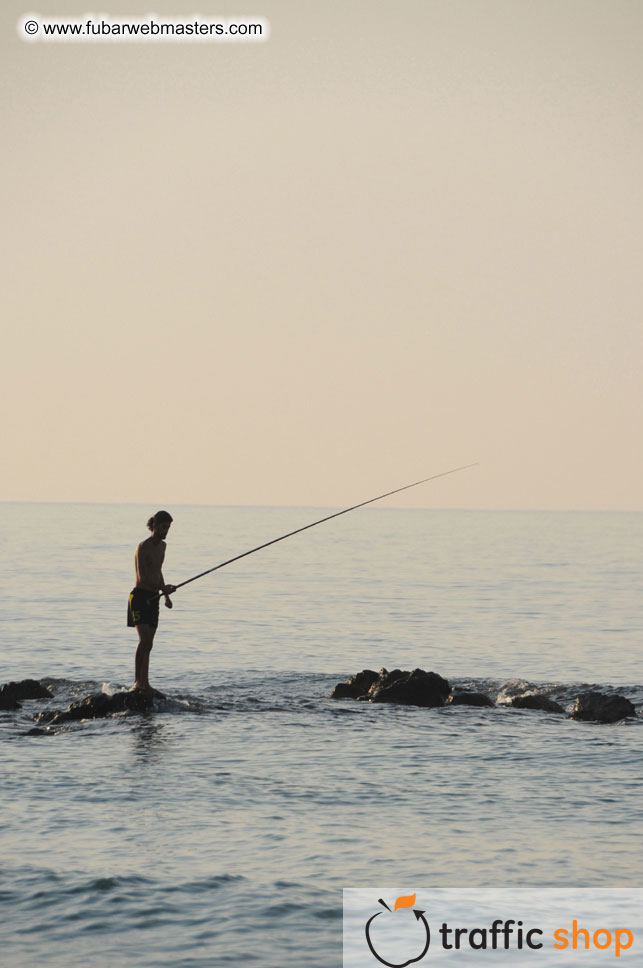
(416, 931)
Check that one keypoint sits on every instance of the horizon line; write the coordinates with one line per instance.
(380, 507)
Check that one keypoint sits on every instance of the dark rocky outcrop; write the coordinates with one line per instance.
(597, 707)
(471, 699)
(347, 690)
(99, 705)
(542, 703)
(8, 700)
(417, 688)
(357, 686)
(12, 694)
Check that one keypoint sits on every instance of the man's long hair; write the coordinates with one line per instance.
(161, 517)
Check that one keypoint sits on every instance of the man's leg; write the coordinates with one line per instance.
(142, 658)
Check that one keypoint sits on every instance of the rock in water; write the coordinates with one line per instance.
(417, 688)
(8, 700)
(420, 688)
(596, 707)
(471, 699)
(13, 693)
(537, 702)
(356, 686)
(347, 690)
(99, 705)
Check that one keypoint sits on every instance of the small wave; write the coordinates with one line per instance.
(300, 696)
(504, 691)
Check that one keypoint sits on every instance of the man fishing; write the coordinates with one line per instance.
(143, 606)
(143, 609)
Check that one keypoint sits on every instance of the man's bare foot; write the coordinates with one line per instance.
(147, 690)
(143, 687)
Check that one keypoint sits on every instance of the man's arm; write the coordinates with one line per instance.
(167, 591)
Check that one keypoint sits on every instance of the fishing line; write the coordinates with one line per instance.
(328, 517)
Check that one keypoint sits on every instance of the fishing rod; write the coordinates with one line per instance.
(329, 517)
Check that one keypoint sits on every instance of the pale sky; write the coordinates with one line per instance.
(394, 238)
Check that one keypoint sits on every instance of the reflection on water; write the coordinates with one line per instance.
(150, 739)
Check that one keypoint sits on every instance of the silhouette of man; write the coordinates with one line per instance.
(143, 606)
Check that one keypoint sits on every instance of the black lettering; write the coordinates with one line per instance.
(458, 934)
(483, 939)
(532, 944)
(444, 931)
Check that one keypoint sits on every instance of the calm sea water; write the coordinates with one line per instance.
(221, 828)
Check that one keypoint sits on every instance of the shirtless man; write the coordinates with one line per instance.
(143, 607)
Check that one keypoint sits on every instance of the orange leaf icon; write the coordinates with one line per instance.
(403, 902)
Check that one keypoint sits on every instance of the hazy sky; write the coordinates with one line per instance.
(394, 238)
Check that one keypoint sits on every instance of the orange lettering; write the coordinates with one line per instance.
(597, 943)
(619, 944)
(576, 931)
(561, 937)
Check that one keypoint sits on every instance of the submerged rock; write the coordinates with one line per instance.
(13, 693)
(8, 701)
(536, 702)
(596, 707)
(471, 699)
(99, 705)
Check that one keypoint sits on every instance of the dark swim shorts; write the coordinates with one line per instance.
(143, 608)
